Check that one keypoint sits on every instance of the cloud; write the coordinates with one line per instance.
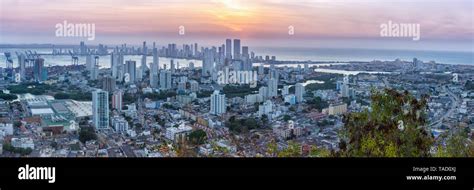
(266, 19)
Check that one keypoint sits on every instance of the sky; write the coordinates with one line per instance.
(444, 24)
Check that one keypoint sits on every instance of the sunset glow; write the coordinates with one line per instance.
(263, 19)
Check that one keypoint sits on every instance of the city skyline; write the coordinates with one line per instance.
(319, 86)
(339, 24)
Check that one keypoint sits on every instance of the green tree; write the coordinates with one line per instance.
(469, 85)
(7, 97)
(457, 145)
(264, 119)
(8, 147)
(317, 103)
(293, 150)
(242, 125)
(138, 126)
(197, 137)
(393, 128)
(54, 144)
(238, 90)
(61, 95)
(292, 108)
(251, 123)
(86, 134)
(319, 152)
(272, 148)
(17, 124)
(22, 151)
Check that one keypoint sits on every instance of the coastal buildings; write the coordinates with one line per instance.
(165, 79)
(24, 142)
(263, 92)
(130, 71)
(253, 98)
(193, 86)
(208, 62)
(236, 54)
(108, 84)
(178, 134)
(39, 71)
(94, 70)
(218, 104)
(100, 109)
(337, 109)
(228, 49)
(117, 100)
(5, 130)
(119, 124)
(299, 92)
(154, 68)
(266, 108)
(272, 87)
(290, 99)
(288, 131)
(22, 63)
(286, 90)
(179, 99)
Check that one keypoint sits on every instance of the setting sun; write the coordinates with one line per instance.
(232, 4)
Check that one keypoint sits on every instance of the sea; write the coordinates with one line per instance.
(366, 55)
(281, 53)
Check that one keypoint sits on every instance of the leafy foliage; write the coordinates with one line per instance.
(204, 94)
(33, 88)
(293, 150)
(86, 134)
(242, 125)
(22, 151)
(197, 137)
(469, 85)
(317, 103)
(457, 145)
(376, 133)
(7, 96)
(238, 91)
(286, 118)
(319, 152)
(79, 96)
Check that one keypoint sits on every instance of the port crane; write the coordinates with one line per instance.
(74, 58)
(8, 60)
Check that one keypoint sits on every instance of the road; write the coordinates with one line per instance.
(455, 101)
